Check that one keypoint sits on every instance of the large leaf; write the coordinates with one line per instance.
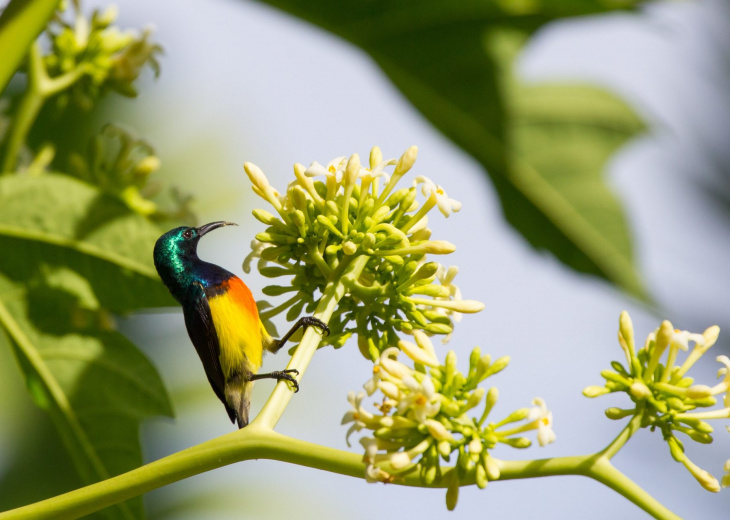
(69, 256)
(443, 58)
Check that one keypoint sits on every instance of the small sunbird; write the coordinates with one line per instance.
(222, 319)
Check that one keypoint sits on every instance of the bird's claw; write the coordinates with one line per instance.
(284, 374)
(316, 322)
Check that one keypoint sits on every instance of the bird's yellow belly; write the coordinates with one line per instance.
(237, 325)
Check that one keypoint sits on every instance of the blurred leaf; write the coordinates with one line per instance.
(68, 222)
(70, 256)
(441, 55)
(36, 447)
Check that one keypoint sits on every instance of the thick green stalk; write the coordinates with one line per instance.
(333, 292)
(249, 443)
(597, 467)
(255, 442)
(20, 24)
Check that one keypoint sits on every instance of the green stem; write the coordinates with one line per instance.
(597, 467)
(20, 24)
(248, 443)
(254, 442)
(333, 292)
(40, 88)
(30, 106)
(622, 438)
(73, 434)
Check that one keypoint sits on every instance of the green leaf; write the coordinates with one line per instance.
(563, 136)
(20, 24)
(71, 256)
(68, 222)
(449, 60)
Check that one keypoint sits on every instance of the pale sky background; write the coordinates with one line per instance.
(243, 82)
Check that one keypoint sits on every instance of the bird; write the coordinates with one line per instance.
(222, 319)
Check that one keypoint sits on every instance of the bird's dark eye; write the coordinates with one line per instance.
(188, 233)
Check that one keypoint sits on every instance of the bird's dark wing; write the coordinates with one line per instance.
(203, 335)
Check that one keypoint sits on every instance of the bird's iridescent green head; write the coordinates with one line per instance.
(176, 255)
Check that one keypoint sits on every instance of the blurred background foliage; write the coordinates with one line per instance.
(537, 109)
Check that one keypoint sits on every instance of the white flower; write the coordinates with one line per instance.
(334, 169)
(377, 166)
(372, 384)
(437, 193)
(372, 472)
(421, 398)
(543, 420)
(681, 338)
(360, 417)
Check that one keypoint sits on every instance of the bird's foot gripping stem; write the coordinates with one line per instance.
(279, 375)
(311, 321)
(306, 321)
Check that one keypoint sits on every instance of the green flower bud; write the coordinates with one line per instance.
(349, 248)
(699, 392)
(266, 218)
(516, 416)
(329, 224)
(618, 367)
(421, 235)
(701, 437)
(595, 391)
(380, 214)
(396, 198)
(639, 390)
(300, 221)
(481, 477)
(438, 328)
(274, 271)
(444, 449)
(276, 290)
(275, 238)
(492, 467)
(452, 491)
(518, 442)
(617, 413)
(430, 474)
(499, 365)
(675, 448)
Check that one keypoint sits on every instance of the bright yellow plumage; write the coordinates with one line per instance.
(240, 334)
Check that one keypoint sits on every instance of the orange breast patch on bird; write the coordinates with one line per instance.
(236, 322)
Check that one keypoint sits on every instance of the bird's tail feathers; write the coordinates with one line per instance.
(238, 398)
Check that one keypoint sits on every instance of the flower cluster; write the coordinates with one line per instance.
(332, 216)
(121, 165)
(95, 56)
(423, 418)
(663, 395)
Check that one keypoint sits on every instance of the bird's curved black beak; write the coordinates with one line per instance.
(202, 230)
